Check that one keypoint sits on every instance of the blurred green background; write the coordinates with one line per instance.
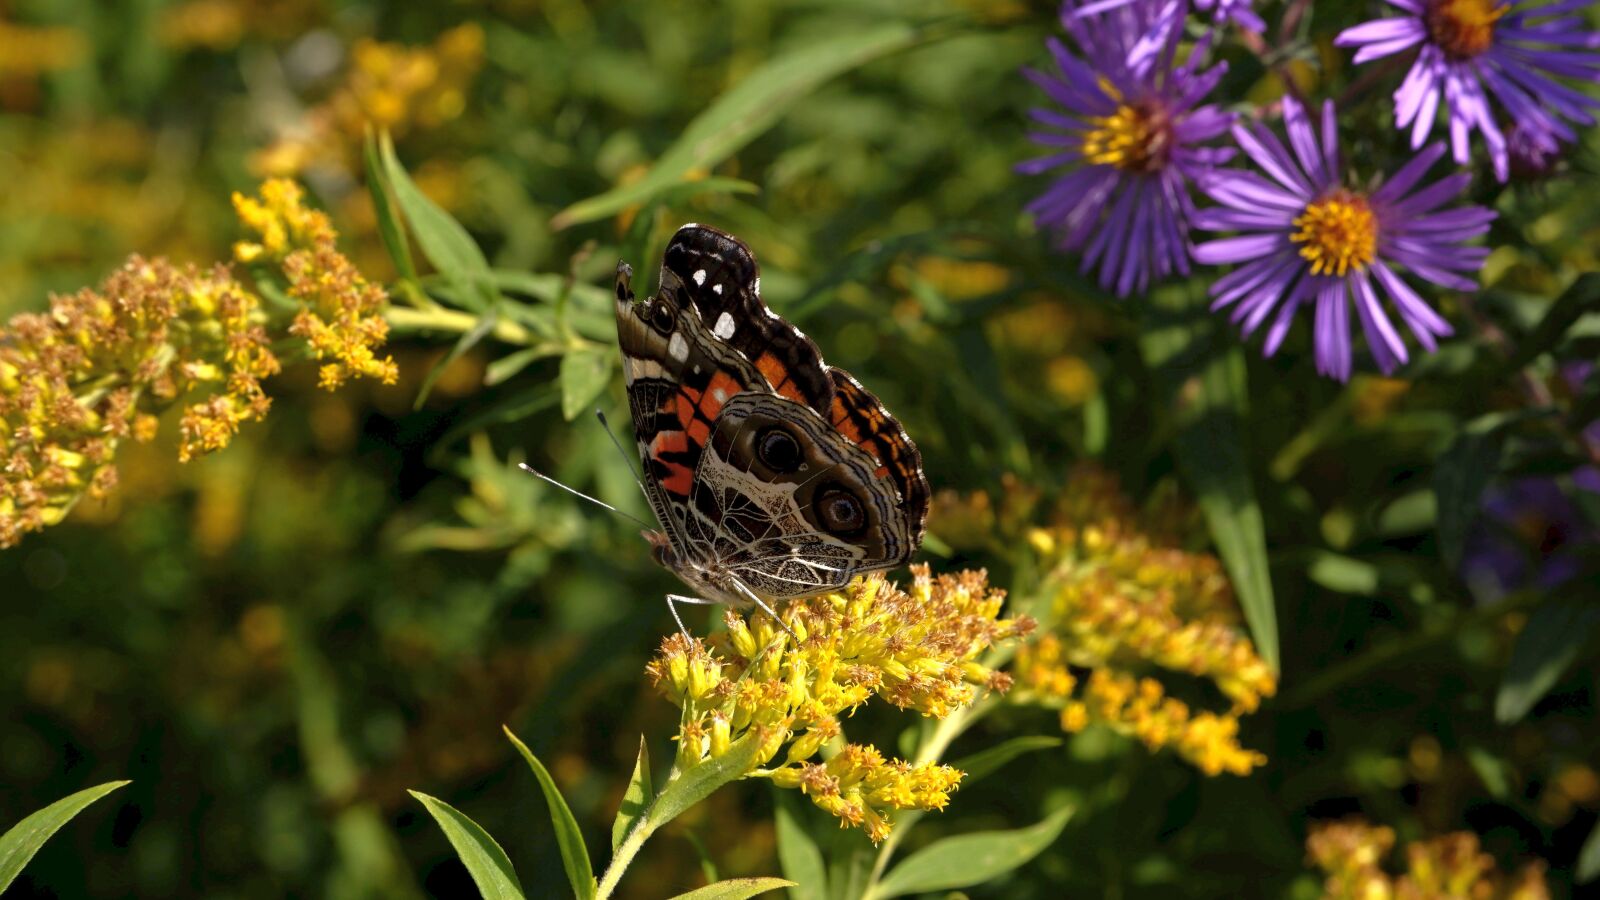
(275, 642)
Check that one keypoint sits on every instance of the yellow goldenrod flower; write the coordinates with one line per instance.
(915, 648)
(35, 50)
(1120, 607)
(77, 380)
(1351, 854)
(342, 316)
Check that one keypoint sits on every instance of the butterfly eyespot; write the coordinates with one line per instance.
(778, 450)
(661, 317)
(840, 511)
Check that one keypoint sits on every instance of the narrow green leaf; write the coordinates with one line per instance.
(443, 240)
(584, 374)
(466, 342)
(1551, 641)
(797, 852)
(969, 859)
(735, 889)
(503, 369)
(1459, 479)
(987, 762)
(18, 845)
(635, 800)
(1588, 867)
(1202, 377)
(486, 862)
(389, 226)
(690, 787)
(574, 855)
(745, 112)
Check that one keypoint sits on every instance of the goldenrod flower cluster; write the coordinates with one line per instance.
(94, 369)
(1120, 609)
(388, 87)
(34, 50)
(341, 316)
(915, 648)
(1351, 854)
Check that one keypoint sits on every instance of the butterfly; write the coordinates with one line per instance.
(773, 475)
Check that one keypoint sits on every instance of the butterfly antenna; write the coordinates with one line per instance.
(638, 477)
(577, 493)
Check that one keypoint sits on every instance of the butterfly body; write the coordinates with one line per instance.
(773, 475)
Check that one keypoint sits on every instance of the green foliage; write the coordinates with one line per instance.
(490, 869)
(574, 855)
(971, 859)
(23, 840)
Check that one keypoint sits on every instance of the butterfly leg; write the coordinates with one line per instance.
(672, 606)
(755, 598)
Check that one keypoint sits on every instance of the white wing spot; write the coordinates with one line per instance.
(758, 285)
(716, 289)
(720, 395)
(699, 276)
(678, 348)
(724, 328)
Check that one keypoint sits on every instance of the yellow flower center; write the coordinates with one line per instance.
(1132, 138)
(1463, 28)
(1338, 232)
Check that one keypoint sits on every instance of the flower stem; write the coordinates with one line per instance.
(626, 851)
(403, 318)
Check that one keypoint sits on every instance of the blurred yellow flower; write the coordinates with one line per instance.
(1351, 854)
(342, 315)
(34, 50)
(916, 649)
(387, 86)
(1119, 607)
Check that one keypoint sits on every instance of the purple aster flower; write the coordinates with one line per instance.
(1474, 49)
(1128, 138)
(1221, 11)
(1310, 239)
(1530, 534)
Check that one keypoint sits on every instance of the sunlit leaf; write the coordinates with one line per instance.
(735, 889)
(574, 855)
(23, 840)
(746, 111)
(971, 859)
(390, 228)
(584, 374)
(699, 782)
(442, 239)
(466, 342)
(486, 862)
(636, 799)
(1203, 382)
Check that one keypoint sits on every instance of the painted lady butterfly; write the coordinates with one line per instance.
(773, 474)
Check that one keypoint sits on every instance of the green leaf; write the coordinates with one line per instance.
(1202, 378)
(390, 227)
(797, 852)
(1459, 479)
(1551, 641)
(486, 862)
(986, 762)
(443, 240)
(1588, 867)
(969, 859)
(466, 342)
(745, 112)
(18, 845)
(636, 800)
(574, 855)
(735, 889)
(698, 783)
(1581, 297)
(584, 374)
(502, 369)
